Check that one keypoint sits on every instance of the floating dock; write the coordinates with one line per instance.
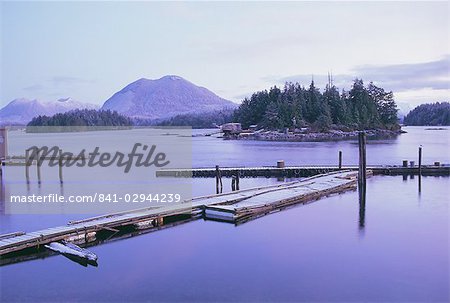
(299, 171)
(228, 207)
(267, 201)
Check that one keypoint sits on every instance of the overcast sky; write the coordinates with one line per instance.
(90, 50)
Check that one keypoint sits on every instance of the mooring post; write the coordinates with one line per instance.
(27, 165)
(38, 167)
(420, 169)
(420, 161)
(60, 166)
(237, 180)
(233, 183)
(362, 159)
(218, 180)
(362, 178)
(280, 164)
(340, 159)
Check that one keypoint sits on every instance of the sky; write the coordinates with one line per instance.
(90, 50)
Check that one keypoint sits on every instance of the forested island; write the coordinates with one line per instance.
(298, 113)
(80, 120)
(433, 114)
(362, 107)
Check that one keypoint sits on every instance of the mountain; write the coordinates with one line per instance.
(403, 109)
(163, 98)
(21, 111)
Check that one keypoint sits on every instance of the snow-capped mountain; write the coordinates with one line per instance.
(21, 111)
(163, 98)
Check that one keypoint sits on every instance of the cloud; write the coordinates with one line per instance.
(400, 77)
(54, 86)
(67, 80)
(34, 88)
(432, 75)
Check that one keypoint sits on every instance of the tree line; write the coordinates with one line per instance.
(200, 120)
(429, 114)
(82, 118)
(362, 107)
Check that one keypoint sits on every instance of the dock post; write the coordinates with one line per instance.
(237, 180)
(38, 167)
(27, 165)
(420, 169)
(340, 159)
(420, 161)
(280, 164)
(233, 183)
(60, 166)
(362, 178)
(218, 180)
(362, 159)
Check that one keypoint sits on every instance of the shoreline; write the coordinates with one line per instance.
(333, 135)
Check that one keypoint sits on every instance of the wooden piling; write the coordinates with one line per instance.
(420, 169)
(340, 159)
(38, 167)
(420, 161)
(60, 166)
(362, 159)
(362, 178)
(219, 185)
(280, 164)
(27, 165)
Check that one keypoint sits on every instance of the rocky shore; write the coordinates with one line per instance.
(332, 135)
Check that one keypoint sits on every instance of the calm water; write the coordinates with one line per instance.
(316, 252)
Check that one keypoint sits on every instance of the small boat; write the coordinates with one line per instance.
(67, 248)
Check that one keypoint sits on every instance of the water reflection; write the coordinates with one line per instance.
(362, 205)
(420, 184)
(82, 261)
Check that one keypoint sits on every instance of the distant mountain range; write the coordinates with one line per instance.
(21, 111)
(164, 98)
(148, 99)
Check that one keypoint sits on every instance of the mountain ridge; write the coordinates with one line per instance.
(20, 111)
(165, 97)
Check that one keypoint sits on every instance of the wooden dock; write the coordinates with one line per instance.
(270, 200)
(300, 171)
(228, 206)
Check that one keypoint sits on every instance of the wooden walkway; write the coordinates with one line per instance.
(270, 200)
(228, 205)
(299, 171)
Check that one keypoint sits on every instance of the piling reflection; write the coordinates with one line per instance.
(420, 184)
(362, 205)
